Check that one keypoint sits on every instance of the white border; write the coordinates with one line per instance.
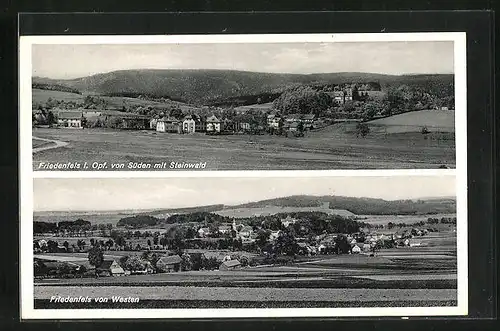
(27, 175)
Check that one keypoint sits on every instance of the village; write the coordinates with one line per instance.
(61, 250)
(214, 122)
(346, 102)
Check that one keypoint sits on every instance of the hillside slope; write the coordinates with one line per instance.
(361, 206)
(205, 86)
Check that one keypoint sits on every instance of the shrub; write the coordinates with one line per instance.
(362, 129)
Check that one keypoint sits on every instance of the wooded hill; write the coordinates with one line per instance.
(362, 206)
(211, 87)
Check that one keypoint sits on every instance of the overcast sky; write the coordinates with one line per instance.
(74, 194)
(72, 61)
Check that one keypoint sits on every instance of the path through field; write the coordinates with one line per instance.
(54, 144)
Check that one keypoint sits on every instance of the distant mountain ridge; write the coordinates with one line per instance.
(199, 86)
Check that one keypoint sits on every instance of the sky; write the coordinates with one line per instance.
(99, 194)
(65, 61)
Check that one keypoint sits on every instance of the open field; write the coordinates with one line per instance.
(328, 148)
(92, 218)
(407, 219)
(434, 120)
(271, 210)
(41, 96)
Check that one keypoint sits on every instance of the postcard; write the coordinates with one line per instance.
(243, 176)
(243, 102)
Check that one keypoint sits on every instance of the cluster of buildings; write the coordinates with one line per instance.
(291, 122)
(195, 123)
(241, 231)
(46, 266)
(76, 118)
(350, 93)
(188, 124)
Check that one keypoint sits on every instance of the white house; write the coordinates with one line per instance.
(213, 124)
(188, 125)
(70, 119)
(167, 124)
(356, 249)
(203, 232)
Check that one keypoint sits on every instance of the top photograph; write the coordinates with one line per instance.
(242, 102)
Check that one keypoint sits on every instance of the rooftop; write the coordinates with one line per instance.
(172, 259)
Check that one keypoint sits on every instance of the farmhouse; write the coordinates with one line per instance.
(169, 263)
(110, 268)
(230, 265)
(70, 119)
(213, 124)
(168, 124)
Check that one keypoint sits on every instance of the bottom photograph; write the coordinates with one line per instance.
(212, 244)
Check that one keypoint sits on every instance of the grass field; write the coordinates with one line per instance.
(434, 120)
(329, 148)
(407, 219)
(92, 218)
(41, 96)
(271, 210)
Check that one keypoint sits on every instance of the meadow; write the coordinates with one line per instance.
(271, 210)
(42, 96)
(433, 120)
(333, 147)
(407, 219)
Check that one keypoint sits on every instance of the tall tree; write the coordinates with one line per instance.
(96, 256)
